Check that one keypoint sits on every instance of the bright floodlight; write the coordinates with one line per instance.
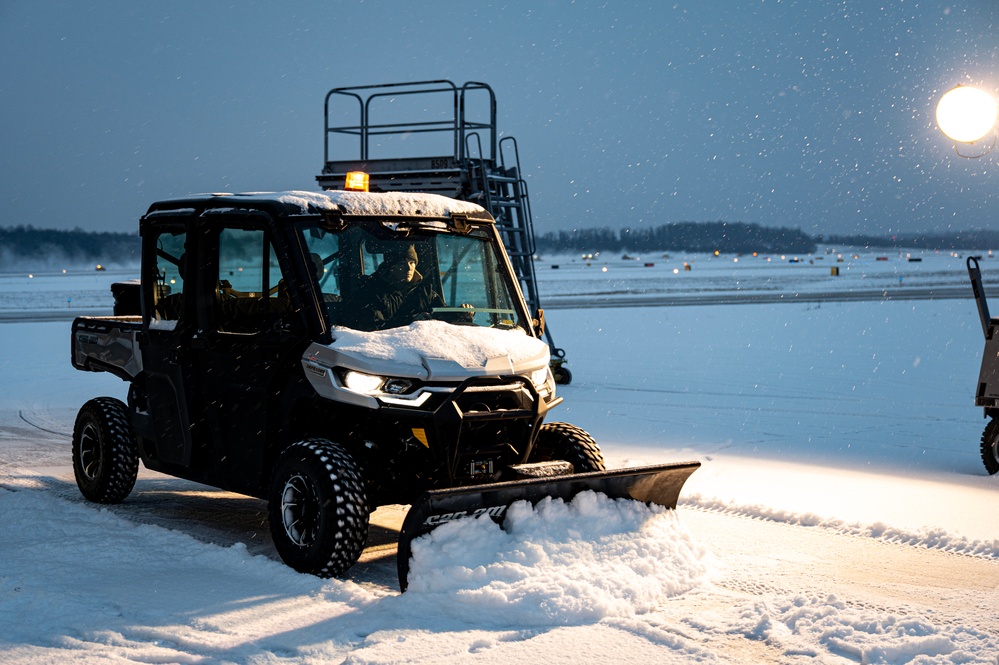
(966, 114)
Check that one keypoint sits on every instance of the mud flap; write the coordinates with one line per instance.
(658, 484)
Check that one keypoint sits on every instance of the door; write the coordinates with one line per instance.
(250, 347)
(163, 419)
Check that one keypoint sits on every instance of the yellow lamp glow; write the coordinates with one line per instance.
(966, 114)
(356, 181)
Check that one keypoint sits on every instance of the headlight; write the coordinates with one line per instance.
(370, 384)
(359, 382)
(539, 377)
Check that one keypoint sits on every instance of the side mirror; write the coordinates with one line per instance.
(539, 323)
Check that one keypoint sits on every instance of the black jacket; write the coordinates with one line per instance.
(380, 304)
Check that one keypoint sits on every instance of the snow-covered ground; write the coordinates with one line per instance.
(841, 515)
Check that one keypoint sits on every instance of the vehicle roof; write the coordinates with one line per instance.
(362, 204)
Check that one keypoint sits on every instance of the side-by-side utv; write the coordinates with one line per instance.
(258, 364)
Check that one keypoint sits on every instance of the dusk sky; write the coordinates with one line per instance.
(816, 115)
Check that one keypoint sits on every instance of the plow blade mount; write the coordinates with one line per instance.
(658, 484)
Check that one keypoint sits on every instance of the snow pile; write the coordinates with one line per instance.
(466, 345)
(558, 563)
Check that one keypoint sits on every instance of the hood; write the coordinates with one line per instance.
(433, 351)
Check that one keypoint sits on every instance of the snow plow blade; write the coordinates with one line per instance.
(658, 484)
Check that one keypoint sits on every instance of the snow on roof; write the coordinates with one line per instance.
(378, 203)
(385, 204)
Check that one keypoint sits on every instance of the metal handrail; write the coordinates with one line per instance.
(459, 125)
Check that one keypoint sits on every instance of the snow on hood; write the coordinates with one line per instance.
(379, 203)
(441, 347)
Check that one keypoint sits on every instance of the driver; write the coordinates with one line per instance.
(394, 295)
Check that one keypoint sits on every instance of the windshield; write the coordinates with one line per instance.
(373, 279)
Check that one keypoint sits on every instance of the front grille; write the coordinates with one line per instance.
(481, 400)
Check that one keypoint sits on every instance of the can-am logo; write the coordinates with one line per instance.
(496, 512)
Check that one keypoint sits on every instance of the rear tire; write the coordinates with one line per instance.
(990, 447)
(562, 441)
(105, 454)
(562, 375)
(318, 508)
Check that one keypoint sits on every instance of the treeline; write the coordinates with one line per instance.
(980, 239)
(742, 238)
(727, 237)
(48, 248)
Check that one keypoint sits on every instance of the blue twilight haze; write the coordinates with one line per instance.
(816, 115)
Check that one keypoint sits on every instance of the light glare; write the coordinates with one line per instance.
(356, 181)
(966, 114)
(359, 382)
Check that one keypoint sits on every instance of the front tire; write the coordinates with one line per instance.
(318, 508)
(562, 441)
(990, 447)
(105, 454)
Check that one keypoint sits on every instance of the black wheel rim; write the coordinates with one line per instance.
(299, 511)
(90, 452)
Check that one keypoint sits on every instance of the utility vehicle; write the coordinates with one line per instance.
(987, 393)
(248, 371)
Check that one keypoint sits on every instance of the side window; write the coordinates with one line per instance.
(252, 294)
(168, 291)
(371, 258)
(324, 257)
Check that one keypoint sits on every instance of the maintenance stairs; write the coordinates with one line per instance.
(470, 163)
